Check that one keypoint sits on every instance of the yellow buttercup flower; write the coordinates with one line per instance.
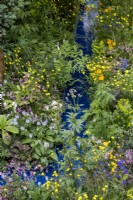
(101, 78)
(98, 71)
(80, 198)
(106, 143)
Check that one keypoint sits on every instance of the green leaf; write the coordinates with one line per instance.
(54, 156)
(12, 129)
(35, 156)
(3, 120)
(6, 137)
(38, 151)
(27, 140)
(44, 160)
(8, 122)
(49, 138)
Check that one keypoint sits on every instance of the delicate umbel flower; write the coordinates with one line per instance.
(54, 103)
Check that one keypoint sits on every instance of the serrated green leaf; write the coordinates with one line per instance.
(12, 129)
(35, 156)
(49, 138)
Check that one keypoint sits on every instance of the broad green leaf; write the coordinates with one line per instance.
(49, 138)
(12, 129)
(35, 156)
(2, 121)
(8, 122)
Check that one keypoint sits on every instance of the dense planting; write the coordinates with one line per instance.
(94, 158)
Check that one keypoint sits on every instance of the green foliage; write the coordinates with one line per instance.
(41, 21)
(5, 127)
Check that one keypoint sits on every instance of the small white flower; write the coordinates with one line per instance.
(15, 123)
(55, 107)
(23, 112)
(22, 128)
(46, 145)
(93, 137)
(60, 105)
(39, 183)
(30, 136)
(46, 178)
(46, 107)
(54, 103)
(94, 120)
(27, 121)
(51, 127)
(99, 141)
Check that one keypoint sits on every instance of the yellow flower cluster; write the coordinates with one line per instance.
(123, 81)
(105, 188)
(55, 174)
(115, 21)
(111, 44)
(83, 196)
(114, 167)
(98, 69)
(105, 144)
(106, 10)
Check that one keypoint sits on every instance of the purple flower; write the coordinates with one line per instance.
(123, 63)
(129, 156)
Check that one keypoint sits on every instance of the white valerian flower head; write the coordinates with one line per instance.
(54, 103)
(30, 136)
(38, 123)
(22, 128)
(55, 107)
(27, 121)
(60, 105)
(46, 107)
(94, 120)
(46, 145)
